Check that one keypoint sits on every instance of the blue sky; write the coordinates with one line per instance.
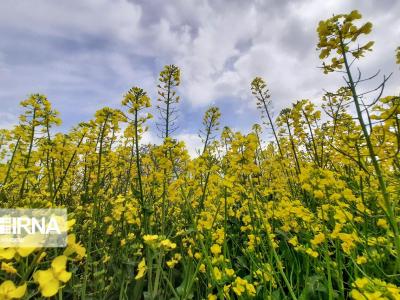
(86, 54)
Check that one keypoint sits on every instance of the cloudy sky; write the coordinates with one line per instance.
(85, 54)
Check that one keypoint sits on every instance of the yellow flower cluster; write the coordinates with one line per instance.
(244, 218)
(365, 289)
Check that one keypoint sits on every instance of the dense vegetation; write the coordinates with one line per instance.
(312, 215)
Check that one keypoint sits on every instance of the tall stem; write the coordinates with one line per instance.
(382, 184)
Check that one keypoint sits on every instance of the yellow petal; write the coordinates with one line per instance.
(71, 239)
(80, 250)
(24, 252)
(59, 263)
(43, 277)
(69, 250)
(64, 276)
(19, 292)
(8, 268)
(140, 274)
(7, 253)
(50, 288)
(6, 287)
(70, 223)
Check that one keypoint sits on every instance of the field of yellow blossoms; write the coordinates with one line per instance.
(313, 213)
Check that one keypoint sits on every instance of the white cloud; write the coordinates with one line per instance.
(7, 120)
(148, 137)
(192, 141)
(74, 18)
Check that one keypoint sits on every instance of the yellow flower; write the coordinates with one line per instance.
(202, 268)
(8, 268)
(167, 244)
(348, 241)
(250, 289)
(110, 230)
(356, 295)
(212, 297)
(361, 282)
(361, 260)
(150, 239)
(374, 296)
(215, 249)
(73, 247)
(49, 280)
(318, 194)
(217, 274)
(293, 241)
(70, 224)
(312, 253)
(229, 272)
(318, 239)
(227, 287)
(238, 289)
(171, 263)
(9, 291)
(9, 253)
(382, 223)
(142, 268)
(240, 285)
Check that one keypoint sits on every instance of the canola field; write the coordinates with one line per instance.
(310, 212)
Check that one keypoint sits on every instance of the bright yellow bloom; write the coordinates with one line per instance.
(374, 295)
(202, 268)
(312, 253)
(217, 274)
(293, 241)
(215, 249)
(242, 285)
(229, 272)
(356, 295)
(167, 244)
(74, 247)
(318, 194)
(250, 289)
(9, 253)
(49, 280)
(70, 224)
(150, 239)
(9, 291)
(361, 282)
(7, 267)
(361, 260)
(382, 223)
(142, 268)
(212, 297)
(171, 263)
(238, 289)
(110, 230)
(318, 239)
